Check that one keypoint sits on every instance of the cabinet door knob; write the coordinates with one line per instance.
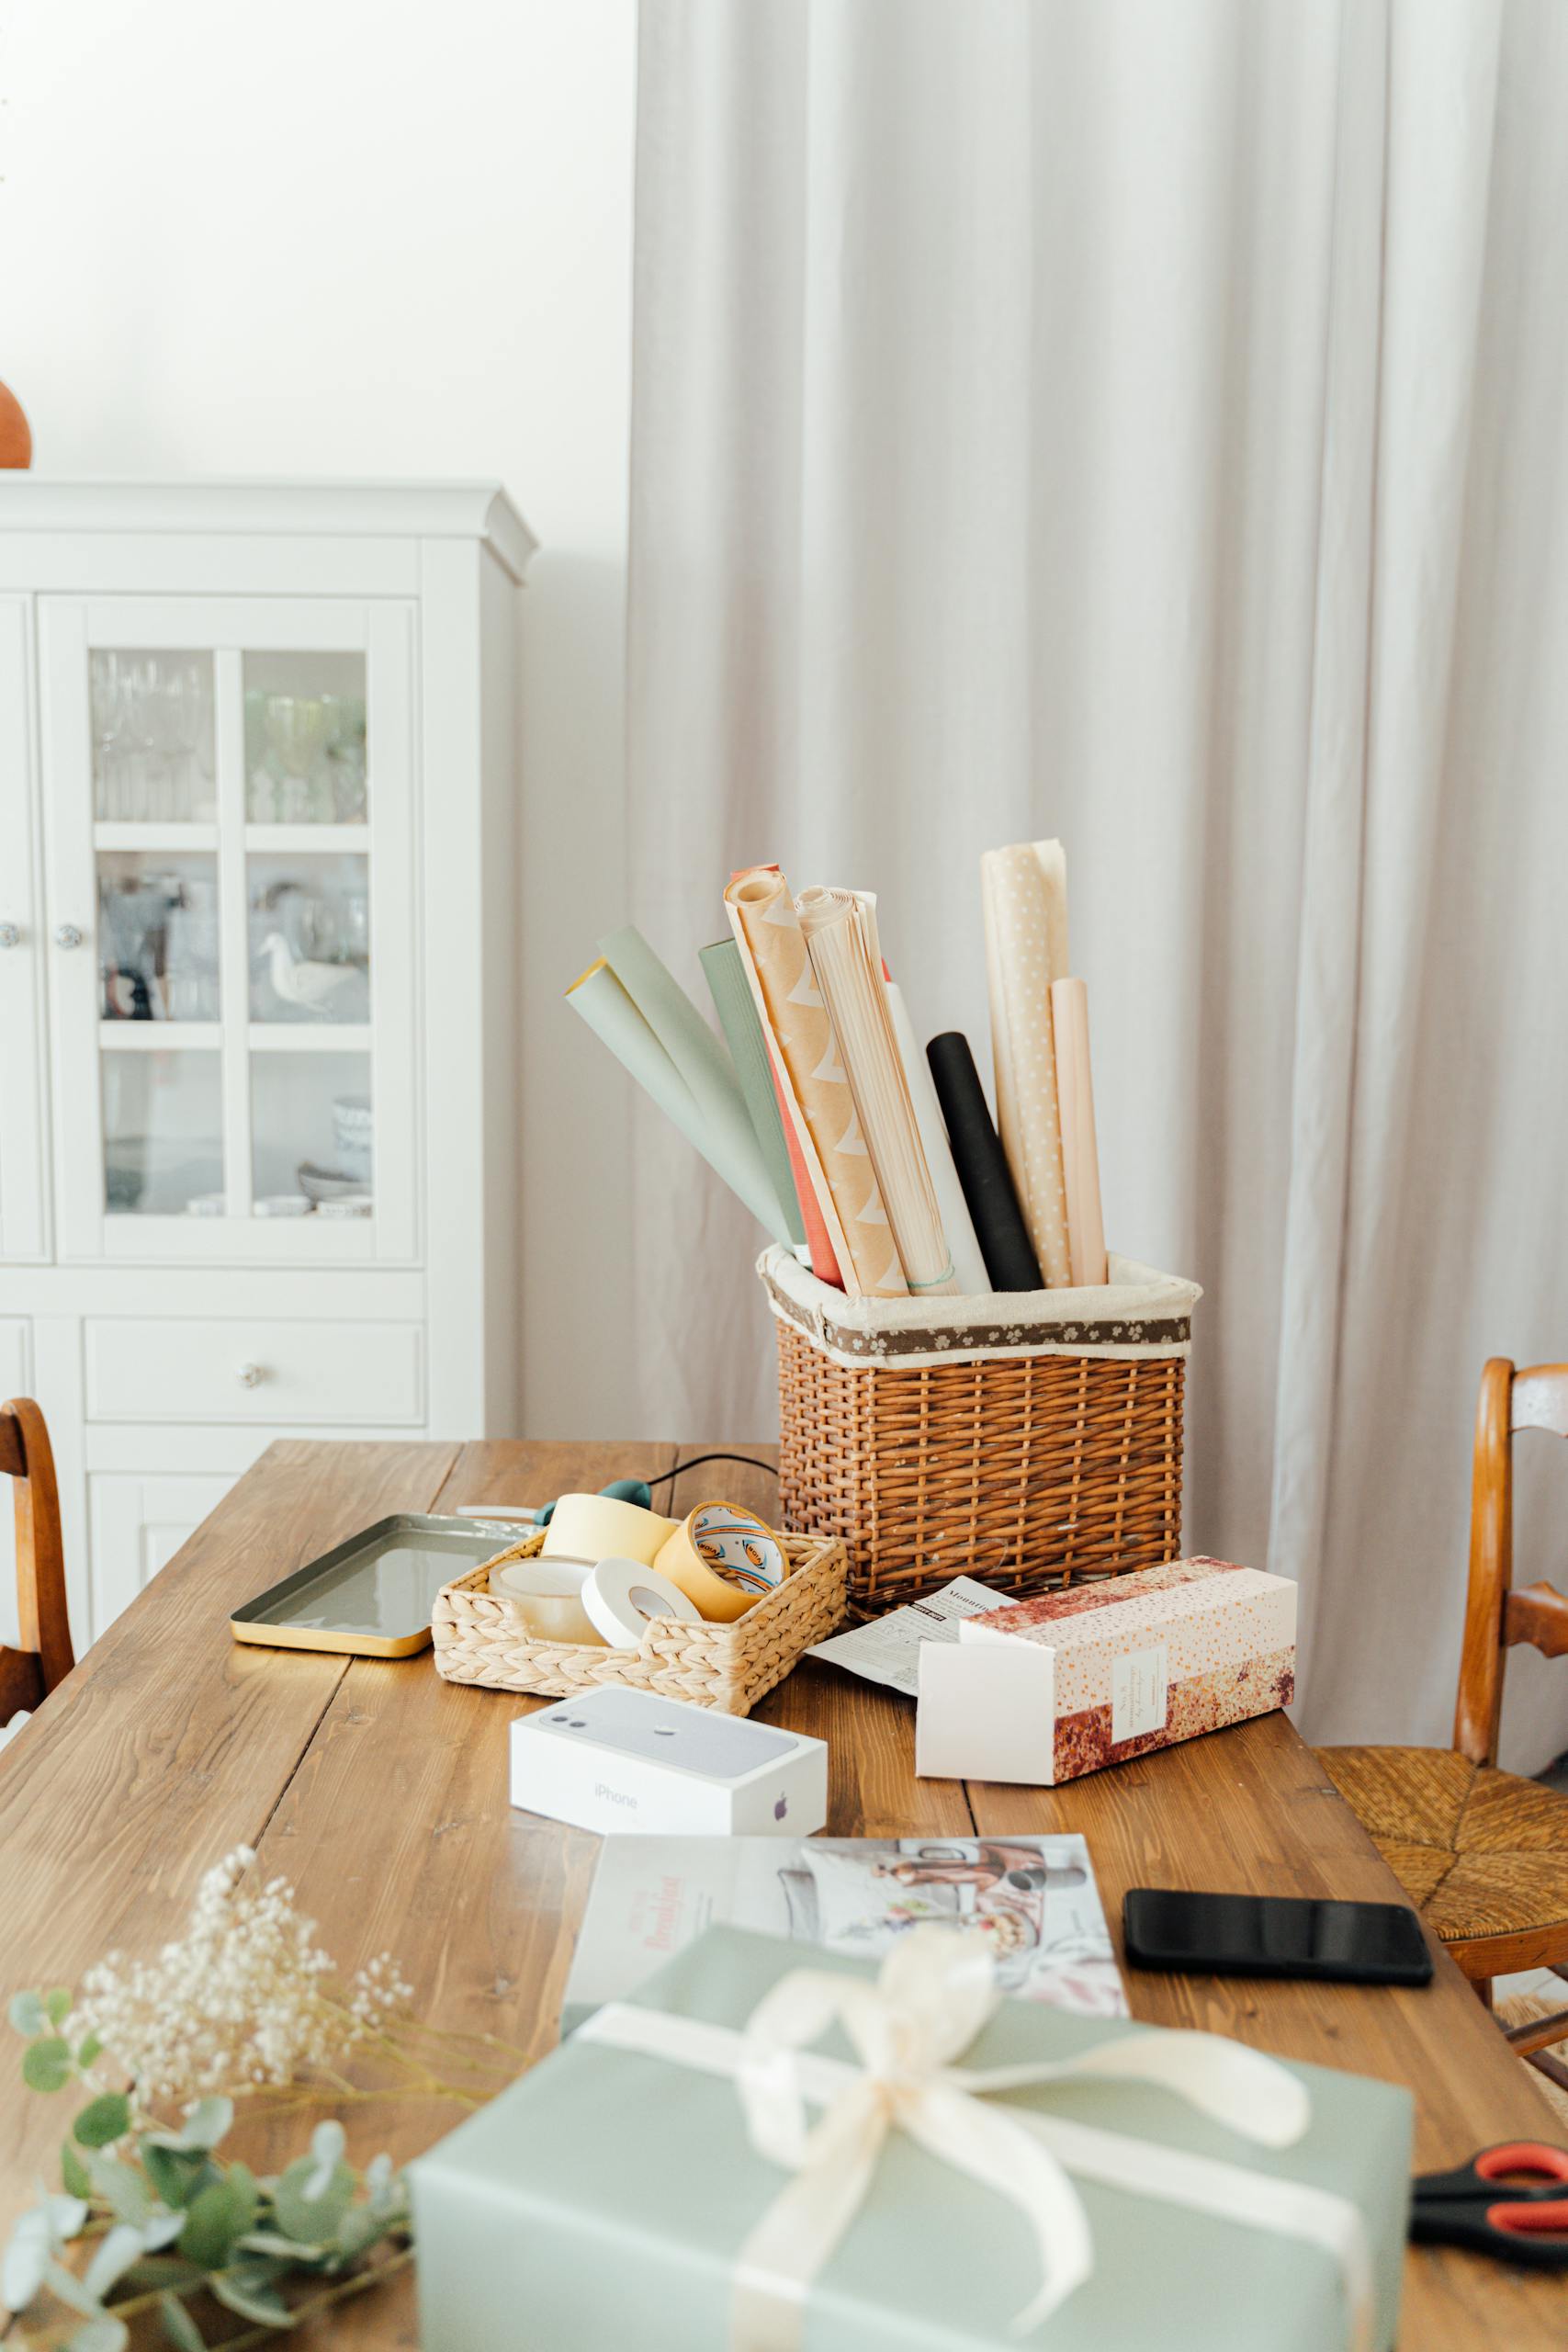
(67, 935)
(248, 1375)
(10, 934)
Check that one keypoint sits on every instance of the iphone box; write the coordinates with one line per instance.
(1092, 1675)
(625, 1760)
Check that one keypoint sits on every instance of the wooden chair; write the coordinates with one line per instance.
(29, 1674)
(1482, 1854)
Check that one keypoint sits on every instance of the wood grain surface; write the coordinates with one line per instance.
(380, 1792)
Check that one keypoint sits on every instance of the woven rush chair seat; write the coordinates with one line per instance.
(1480, 1852)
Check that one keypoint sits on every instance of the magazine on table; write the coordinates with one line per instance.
(1034, 1898)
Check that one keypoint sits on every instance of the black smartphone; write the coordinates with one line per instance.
(1274, 1935)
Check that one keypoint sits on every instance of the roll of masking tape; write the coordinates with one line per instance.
(548, 1598)
(622, 1597)
(598, 1527)
(724, 1559)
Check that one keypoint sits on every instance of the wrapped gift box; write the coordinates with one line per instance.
(1117, 1668)
(601, 2201)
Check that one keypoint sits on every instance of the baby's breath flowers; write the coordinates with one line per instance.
(243, 2007)
(237, 2002)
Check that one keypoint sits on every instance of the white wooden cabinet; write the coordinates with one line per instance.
(259, 1085)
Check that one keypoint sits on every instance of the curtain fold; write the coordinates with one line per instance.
(1146, 425)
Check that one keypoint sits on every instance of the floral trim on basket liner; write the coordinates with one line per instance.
(1151, 1315)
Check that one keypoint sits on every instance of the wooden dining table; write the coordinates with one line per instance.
(379, 1791)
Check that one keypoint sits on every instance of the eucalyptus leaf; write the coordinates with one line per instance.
(66, 2216)
(46, 2066)
(101, 2333)
(115, 2255)
(217, 2218)
(88, 2049)
(70, 2289)
(311, 2220)
(206, 2124)
(178, 2326)
(161, 2229)
(260, 2303)
(26, 2260)
(28, 2013)
(103, 2121)
(327, 2144)
(73, 2172)
(175, 2180)
(57, 2002)
(122, 2188)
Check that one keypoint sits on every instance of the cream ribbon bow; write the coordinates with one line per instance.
(934, 1992)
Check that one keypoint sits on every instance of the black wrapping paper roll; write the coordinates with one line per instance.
(982, 1165)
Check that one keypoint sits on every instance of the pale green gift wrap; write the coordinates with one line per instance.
(598, 2204)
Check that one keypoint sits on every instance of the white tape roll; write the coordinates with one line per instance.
(622, 1597)
(598, 1527)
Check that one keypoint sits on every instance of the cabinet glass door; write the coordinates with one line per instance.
(229, 847)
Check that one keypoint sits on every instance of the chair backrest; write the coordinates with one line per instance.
(1496, 1616)
(27, 1674)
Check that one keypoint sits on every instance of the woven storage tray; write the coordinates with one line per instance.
(1026, 1439)
(480, 1638)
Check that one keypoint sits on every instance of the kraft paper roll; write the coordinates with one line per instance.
(595, 1527)
(969, 1265)
(709, 1534)
(839, 928)
(548, 1598)
(622, 1597)
(686, 1089)
(767, 928)
(1080, 1152)
(982, 1165)
(1024, 889)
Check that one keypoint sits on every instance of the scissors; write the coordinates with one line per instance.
(1510, 2201)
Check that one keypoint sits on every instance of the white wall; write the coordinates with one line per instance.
(367, 237)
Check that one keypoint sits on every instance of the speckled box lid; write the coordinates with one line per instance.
(1139, 1662)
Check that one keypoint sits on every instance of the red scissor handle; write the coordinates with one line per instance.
(1528, 2157)
(1521, 2220)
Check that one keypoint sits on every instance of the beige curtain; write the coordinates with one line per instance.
(1148, 425)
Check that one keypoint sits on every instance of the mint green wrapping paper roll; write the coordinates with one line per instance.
(676, 1058)
(737, 1011)
(598, 2204)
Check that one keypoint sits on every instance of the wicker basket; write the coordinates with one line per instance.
(1025, 1439)
(480, 1638)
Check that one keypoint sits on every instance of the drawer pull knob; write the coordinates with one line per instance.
(248, 1375)
(67, 934)
(10, 934)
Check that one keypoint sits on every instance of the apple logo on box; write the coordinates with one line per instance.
(781, 1808)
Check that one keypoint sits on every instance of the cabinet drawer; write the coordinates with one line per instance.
(147, 1370)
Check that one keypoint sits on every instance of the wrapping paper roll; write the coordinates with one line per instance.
(767, 928)
(982, 1165)
(969, 1265)
(1080, 1152)
(622, 1597)
(840, 927)
(1024, 891)
(686, 1089)
(723, 1533)
(731, 993)
(593, 1527)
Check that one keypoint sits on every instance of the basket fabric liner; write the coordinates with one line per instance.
(1138, 1313)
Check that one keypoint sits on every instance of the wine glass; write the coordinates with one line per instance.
(296, 728)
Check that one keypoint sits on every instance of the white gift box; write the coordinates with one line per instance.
(1097, 1673)
(617, 1758)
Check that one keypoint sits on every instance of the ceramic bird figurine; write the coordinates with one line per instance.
(313, 987)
